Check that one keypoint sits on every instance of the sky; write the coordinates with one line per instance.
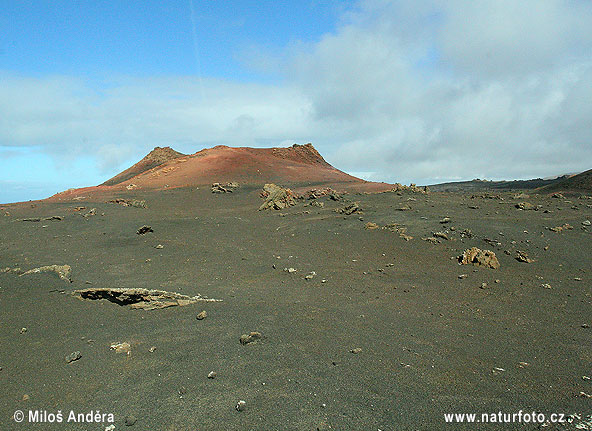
(395, 91)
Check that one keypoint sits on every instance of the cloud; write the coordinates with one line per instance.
(402, 91)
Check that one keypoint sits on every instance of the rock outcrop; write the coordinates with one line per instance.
(276, 197)
(479, 257)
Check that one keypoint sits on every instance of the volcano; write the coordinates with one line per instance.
(297, 166)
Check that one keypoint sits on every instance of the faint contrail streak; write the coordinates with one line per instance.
(196, 49)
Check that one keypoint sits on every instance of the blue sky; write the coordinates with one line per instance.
(95, 39)
(391, 90)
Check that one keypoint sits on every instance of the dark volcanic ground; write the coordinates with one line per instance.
(431, 342)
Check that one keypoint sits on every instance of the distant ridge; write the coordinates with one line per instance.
(155, 158)
(576, 183)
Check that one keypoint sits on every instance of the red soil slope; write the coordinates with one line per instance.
(297, 166)
(155, 158)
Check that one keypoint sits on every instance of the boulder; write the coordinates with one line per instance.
(478, 257)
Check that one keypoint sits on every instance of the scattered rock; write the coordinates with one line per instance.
(74, 356)
(558, 196)
(129, 203)
(25, 397)
(351, 208)
(240, 406)
(276, 197)
(463, 276)
(14, 270)
(144, 230)
(159, 247)
(445, 220)
(317, 193)
(23, 330)
(310, 275)
(290, 270)
(63, 271)
(479, 257)
(250, 338)
(484, 285)
(440, 235)
(525, 206)
(225, 187)
(546, 286)
(138, 298)
(317, 204)
(566, 226)
(432, 239)
(202, 315)
(212, 375)
(466, 233)
(91, 213)
(523, 257)
(413, 188)
(152, 349)
(121, 347)
(404, 208)
(371, 226)
(356, 350)
(587, 223)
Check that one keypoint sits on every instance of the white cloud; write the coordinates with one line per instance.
(402, 90)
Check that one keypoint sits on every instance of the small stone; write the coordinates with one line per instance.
(496, 280)
(118, 347)
(523, 257)
(587, 223)
(577, 279)
(463, 276)
(290, 270)
(144, 229)
(130, 420)
(202, 315)
(26, 397)
(585, 326)
(356, 350)
(240, 406)
(152, 349)
(371, 226)
(23, 330)
(445, 220)
(546, 286)
(212, 375)
(310, 275)
(110, 428)
(74, 356)
(250, 338)
(159, 247)
(484, 285)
